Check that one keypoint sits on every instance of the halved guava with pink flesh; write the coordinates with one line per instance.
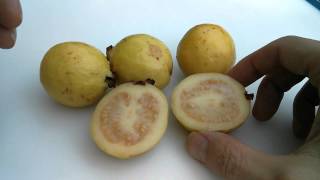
(210, 102)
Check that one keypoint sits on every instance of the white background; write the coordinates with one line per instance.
(40, 139)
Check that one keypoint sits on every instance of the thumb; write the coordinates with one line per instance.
(229, 158)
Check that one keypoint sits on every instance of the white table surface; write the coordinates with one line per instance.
(40, 139)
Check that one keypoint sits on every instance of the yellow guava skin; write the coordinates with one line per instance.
(206, 48)
(74, 73)
(139, 57)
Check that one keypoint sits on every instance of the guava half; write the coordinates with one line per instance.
(130, 120)
(210, 102)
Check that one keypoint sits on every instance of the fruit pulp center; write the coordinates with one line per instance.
(127, 119)
(210, 101)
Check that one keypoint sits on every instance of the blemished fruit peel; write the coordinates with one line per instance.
(74, 74)
(139, 57)
(210, 102)
(130, 120)
(206, 48)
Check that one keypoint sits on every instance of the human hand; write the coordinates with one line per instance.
(10, 19)
(283, 63)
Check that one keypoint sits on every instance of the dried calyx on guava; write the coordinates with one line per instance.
(74, 73)
(130, 120)
(210, 102)
(139, 57)
(206, 48)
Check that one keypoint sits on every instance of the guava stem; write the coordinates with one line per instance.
(249, 96)
(140, 83)
(149, 81)
(108, 52)
(110, 81)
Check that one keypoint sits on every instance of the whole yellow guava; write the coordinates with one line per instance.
(139, 57)
(206, 48)
(74, 74)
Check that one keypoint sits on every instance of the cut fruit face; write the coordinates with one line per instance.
(210, 102)
(130, 120)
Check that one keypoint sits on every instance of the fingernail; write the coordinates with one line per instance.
(198, 146)
(13, 35)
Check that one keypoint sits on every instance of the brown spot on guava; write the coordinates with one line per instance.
(82, 96)
(66, 91)
(155, 51)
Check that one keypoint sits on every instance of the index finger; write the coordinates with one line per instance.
(297, 55)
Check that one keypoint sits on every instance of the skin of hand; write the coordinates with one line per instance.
(10, 19)
(282, 64)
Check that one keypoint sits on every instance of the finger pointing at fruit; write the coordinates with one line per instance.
(283, 63)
